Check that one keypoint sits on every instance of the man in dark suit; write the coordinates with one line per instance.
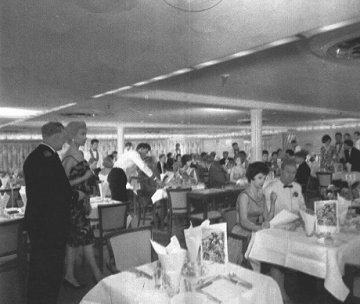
(352, 155)
(161, 164)
(303, 171)
(47, 215)
(217, 175)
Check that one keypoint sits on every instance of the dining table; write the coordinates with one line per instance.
(128, 287)
(310, 255)
(95, 201)
(350, 177)
(202, 199)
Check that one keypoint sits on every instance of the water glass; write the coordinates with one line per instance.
(172, 282)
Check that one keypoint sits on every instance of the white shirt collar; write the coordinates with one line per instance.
(51, 148)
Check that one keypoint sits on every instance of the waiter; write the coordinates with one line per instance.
(47, 215)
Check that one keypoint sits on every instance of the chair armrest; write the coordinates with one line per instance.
(110, 265)
(237, 237)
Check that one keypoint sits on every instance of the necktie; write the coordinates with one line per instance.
(288, 186)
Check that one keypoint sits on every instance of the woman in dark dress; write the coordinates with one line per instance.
(81, 236)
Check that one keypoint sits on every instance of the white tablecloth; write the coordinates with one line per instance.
(126, 288)
(292, 249)
(345, 176)
(95, 202)
(161, 194)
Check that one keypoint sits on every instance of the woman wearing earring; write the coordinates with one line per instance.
(81, 236)
(252, 212)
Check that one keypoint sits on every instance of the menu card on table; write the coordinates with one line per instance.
(214, 243)
(327, 217)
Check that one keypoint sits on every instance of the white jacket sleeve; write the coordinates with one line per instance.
(136, 158)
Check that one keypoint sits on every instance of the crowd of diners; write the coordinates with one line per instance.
(59, 188)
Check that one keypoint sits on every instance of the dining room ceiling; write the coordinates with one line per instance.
(59, 57)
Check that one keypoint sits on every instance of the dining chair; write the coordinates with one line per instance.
(352, 275)
(129, 248)
(12, 260)
(324, 179)
(230, 217)
(178, 208)
(112, 217)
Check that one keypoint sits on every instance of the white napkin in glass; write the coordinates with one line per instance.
(193, 242)
(343, 205)
(4, 199)
(309, 222)
(171, 257)
(23, 196)
(282, 218)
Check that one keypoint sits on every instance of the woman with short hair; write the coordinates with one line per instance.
(252, 212)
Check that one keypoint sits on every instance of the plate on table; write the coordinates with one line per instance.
(151, 297)
(189, 298)
(223, 289)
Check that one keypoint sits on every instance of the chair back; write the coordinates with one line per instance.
(10, 237)
(131, 247)
(178, 200)
(324, 178)
(230, 217)
(112, 216)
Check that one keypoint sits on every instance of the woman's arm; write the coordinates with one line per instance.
(68, 163)
(81, 179)
(243, 202)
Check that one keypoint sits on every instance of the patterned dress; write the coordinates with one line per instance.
(80, 233)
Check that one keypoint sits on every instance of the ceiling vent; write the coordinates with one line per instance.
(79, 114)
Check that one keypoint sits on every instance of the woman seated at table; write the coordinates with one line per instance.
(252, 212)
(238, 171)
(81, 236)
(188, 173)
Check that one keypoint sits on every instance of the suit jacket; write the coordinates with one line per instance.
(302, 175)
(49, 194)
(217, 175)
(159, 168)
(353, 159)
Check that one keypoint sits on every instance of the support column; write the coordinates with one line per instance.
(256, 136)
(120, 139)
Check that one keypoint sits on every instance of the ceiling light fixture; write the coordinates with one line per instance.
(32, 114)
(9, 112)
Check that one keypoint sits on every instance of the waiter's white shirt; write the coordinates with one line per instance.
(130, 159)
(290, 199)
(357, 144)
(87, 156)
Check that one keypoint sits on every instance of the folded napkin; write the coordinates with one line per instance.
(282, 218)
(343, 206)
(158, 195)
(23, 196)
(193, 240)
(5, 182)
(4, 199)
(309, 222)
(171, 257)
